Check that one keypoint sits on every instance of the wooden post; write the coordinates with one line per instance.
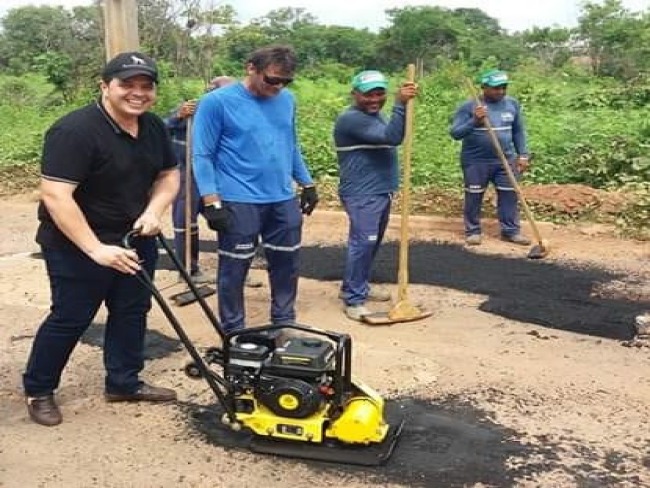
(120, 27)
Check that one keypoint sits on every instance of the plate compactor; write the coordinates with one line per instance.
(289, 387)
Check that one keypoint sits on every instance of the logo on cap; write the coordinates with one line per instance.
(500, 78)
(369, 77)
(494, 78)
(137, 60)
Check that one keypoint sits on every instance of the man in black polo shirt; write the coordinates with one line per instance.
(106, 169)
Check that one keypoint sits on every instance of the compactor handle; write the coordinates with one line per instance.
(127, 240)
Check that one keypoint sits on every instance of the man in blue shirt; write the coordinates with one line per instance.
(246, 160)
(366, 146)
(480, 162)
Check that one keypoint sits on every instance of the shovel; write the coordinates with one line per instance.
(403, 310)
(541, 249)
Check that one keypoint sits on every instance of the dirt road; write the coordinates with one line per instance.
(520, 377)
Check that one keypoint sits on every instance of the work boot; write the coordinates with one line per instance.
(374, 295)
(516, 239)
(259, 262)
(473, 240)
(356, 312)
(253, 283)
(43, 410)
(146, 393)
(642, 324)
(197, 277)
(200, 278)
(291, 322)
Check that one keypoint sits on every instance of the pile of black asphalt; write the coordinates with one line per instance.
(445, 443)
(556, 295)
(549, 294)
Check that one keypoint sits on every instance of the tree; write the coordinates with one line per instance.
(616, 40)
(280, 23)
(293, 26)
(349, 46)
(57, 69)
(477, 20)
(241, 41)
(551, 45)
(66, 46)
(315, 44)
(158, 27)
(206, 40)
(420, 33)
(432, 34)
(485, 39)
(31, 31)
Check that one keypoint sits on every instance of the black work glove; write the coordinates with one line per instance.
(218, 218)
(308, 200)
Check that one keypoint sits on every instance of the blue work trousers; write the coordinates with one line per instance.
(178, 219)
(78, 287)
(368, 215)
(279, 225)
(477, 176)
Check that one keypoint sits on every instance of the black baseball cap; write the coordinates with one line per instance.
(129, 64)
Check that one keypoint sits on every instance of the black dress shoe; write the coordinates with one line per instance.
(43, 410)
(146, 393)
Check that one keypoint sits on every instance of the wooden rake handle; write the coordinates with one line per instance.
(407, 149)
(188, 194)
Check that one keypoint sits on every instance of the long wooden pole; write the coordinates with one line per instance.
(403, 272)
(120, 27)
(188, 195)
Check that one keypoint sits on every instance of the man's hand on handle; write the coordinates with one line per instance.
(480, 112)
(148, 224)
(187, 109)
(406, 92)
(116, 257)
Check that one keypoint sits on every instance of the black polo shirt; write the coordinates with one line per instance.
(114, 171)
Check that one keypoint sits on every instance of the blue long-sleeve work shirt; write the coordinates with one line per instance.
(508, 124)
(366, 147)
(245, 148)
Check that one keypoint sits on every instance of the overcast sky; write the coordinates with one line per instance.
(511, 14)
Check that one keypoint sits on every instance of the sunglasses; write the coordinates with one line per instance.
(276, 80)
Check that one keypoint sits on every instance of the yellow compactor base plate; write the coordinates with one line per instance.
(331, 450)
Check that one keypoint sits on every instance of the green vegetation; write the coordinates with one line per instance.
(585, 92)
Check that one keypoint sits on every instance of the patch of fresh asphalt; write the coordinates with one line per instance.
(550, 294)
(446, 443)
(557, 296)
(157, 345)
